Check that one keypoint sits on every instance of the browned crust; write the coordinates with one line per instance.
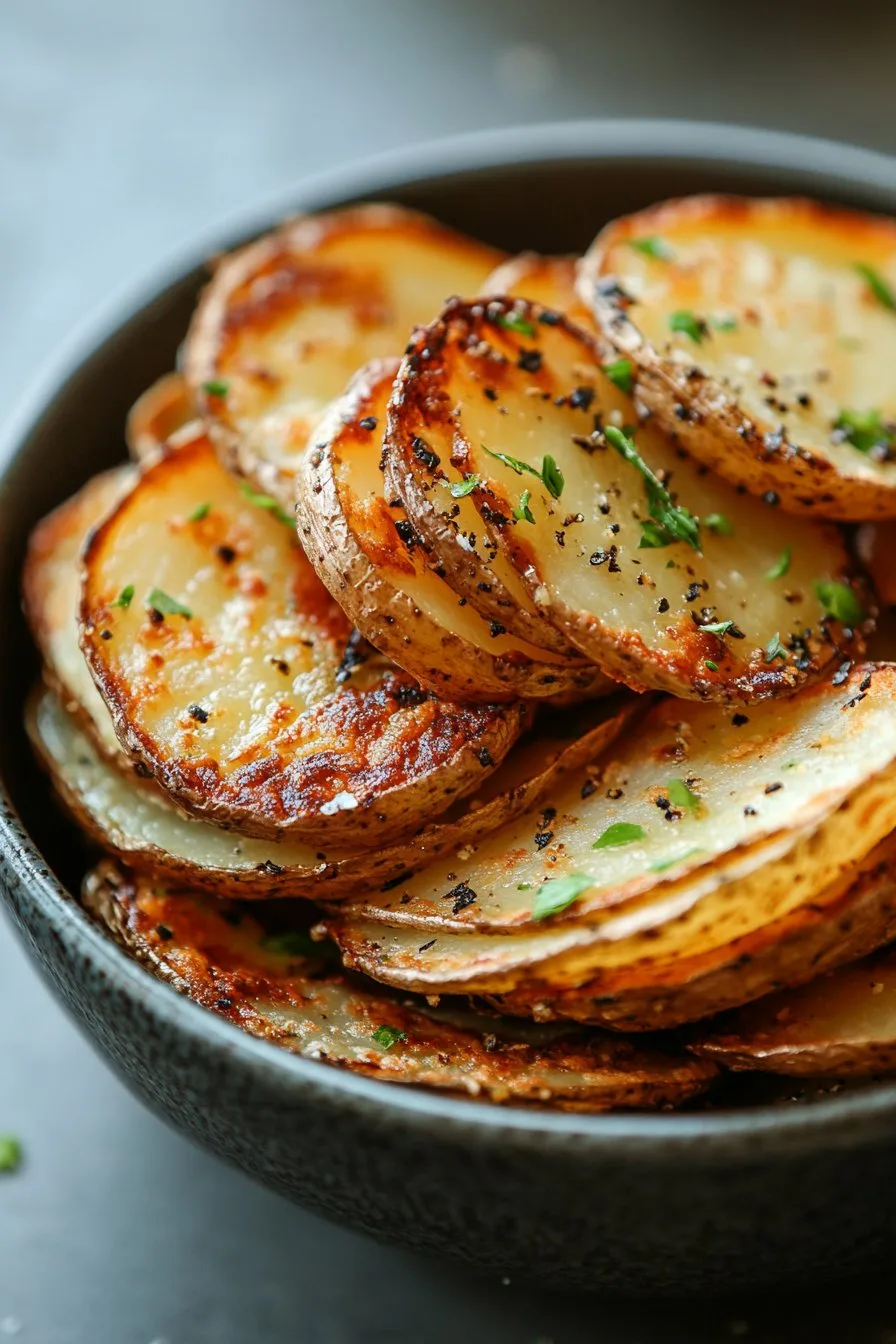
(740, 448)
(156, 415)
(190, 944)
(419, 400)
(357, 552)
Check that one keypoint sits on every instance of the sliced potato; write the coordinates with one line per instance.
(367, 555)
(842, 1024)
(548, 281)
(663, 575)
(51, 592)
(157, 415)
(876, 546)
(236, 680)
(679, 799)
(762, 336)
(135, 820)
(278, 987)
(287, 320)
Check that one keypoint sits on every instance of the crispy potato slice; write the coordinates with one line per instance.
(236, 680)
(677, 800)
(279, 987)
(157, 415)
(842, 1024)
(762, 335)
(877, 551)
(134, 819)
(287, 320)
(367, 555)
(698, 591)
(548, 281)
(51, 594)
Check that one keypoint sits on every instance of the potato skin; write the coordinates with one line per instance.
(750, 450)
(389, 593)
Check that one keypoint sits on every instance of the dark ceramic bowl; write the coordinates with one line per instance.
(766, 1194)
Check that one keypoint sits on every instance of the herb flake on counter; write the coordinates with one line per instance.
(386, 1037)
(879, 287)
(268, 503)
(839, 601)
(671, 521)
(620, 833)
(167, 605)
(124, 598)
(559, 893)
(781, 565)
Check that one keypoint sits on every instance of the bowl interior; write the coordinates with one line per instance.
(553, 201)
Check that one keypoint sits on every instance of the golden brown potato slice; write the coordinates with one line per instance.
(842, 1024)
(287, 320)
(367, 554)
(548, 281)
(662, 574)
(157, 415)
(136, 821)
(237, 681)
(876, 546)
(676, 803)
(761, 334)
(51, 594)
(280, 987)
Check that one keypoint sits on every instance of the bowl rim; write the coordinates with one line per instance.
(708, 1137)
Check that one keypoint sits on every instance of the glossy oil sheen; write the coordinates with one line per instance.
(673, 1203)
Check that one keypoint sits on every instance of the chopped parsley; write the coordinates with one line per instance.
(389, 1036)
(710, 665)
(775, 649)
(652, 246)
(522, 513)
(663, 864)
(167, 605)
(877, 284)
(718, 523)
(719, 628)
(216, 387)
(620, 833)
(515, 322)
(689, 324)
(671, 521)
(460, 489)
(681, 796)
(552, 476)
(293, 943)
(125, 597)
(619, 373)
(514, 463)
(781, 565)
(201, 511)
(10, 1152)
(865, 430)
(558, 893)
(267, 502)
(839, 601)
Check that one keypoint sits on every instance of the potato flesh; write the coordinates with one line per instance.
(280, 741)
(778, 771)
(632, 610)
(807, 326)
(326, 296)
(293, 1002)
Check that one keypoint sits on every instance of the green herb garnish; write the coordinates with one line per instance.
(781, 565)
(167, 605)
(689, 324)
(460, 489)
(877, 284)
(719, 628)
(681, 796)
(864, 430)
(775, 649)
(718, 523)
(10, 1152)
(216, 387)
(558, 893)
(125, 597)
(619, 372)
(652, 246)
(515, 322)
(268, 503)
(389, 1036)
(710, 665)
(552, 477)
(522, 513)
(201, 511)
(620, 833)
(672, 522)
(514, 463)
(839, 601)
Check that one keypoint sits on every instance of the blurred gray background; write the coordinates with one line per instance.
(125, 127)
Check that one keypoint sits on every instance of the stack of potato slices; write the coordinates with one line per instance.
(506, 609)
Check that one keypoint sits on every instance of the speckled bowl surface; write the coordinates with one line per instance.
(767, 1194)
